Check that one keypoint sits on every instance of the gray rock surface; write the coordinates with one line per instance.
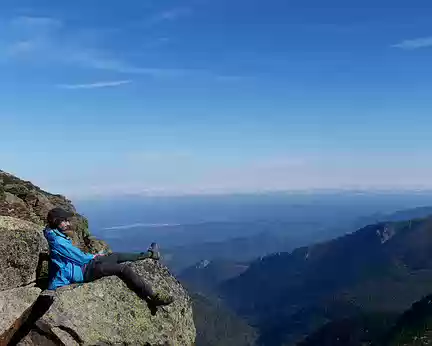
(35, 338)
(20, 245)
(107, 312)
(15, 306)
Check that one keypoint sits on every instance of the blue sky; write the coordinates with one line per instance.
(161, 97)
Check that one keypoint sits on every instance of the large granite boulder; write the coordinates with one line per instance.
(21, 243)
(15, 307)
(107, 312)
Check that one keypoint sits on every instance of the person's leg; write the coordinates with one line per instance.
(106, 267)
(101, 268)
(120, 257)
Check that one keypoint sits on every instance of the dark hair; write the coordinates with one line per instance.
(54, 223)
(56, 216)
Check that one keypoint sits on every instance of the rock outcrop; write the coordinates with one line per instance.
(23, 200)
(104, 312)
(15, 307)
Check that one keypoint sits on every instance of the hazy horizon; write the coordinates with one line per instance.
(125, 212)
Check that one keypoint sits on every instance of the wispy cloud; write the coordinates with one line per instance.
(49, 41)
(99, 60)
(21, 47)
(36, 22)
(171, 14)
(230, 78)
(424, 42)
(27, 36)
(96, 85)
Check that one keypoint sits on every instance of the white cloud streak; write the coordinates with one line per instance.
(21, 47)
(97, 60)
(418, 43)
(96, 85)
(42, 38)
(171, 14)
(48, 41)
(38, 23)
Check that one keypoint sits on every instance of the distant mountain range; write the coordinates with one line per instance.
(380, 269)
(185, 245)
(329, 207)
(264, 238)
(206, 276)
(348, 291)
(401, 215)
(131, 223)
(175, 238)
(239, 249)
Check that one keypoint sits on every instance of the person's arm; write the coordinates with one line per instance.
(64, 248)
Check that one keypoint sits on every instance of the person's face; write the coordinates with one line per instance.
(64, 225)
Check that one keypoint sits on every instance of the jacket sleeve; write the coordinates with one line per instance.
(65, 249)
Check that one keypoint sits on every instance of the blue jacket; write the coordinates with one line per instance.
(67, 261)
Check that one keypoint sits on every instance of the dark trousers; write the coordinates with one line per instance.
(113, 265)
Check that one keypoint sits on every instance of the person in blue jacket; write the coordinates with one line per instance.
(71, 265)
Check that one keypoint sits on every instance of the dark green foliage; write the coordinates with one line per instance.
(218, 326)
(11, 182)
(17, 189)
(85, 226)
(360, 330)
(414, 327)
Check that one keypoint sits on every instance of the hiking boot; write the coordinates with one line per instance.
(157, 300)
(154, 252)
(161, 299)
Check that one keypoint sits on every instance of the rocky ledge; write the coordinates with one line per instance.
(104, 312)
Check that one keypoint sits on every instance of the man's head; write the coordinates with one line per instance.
(58, 218)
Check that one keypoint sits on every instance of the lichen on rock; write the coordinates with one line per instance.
(106, 311)
(21, 242)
